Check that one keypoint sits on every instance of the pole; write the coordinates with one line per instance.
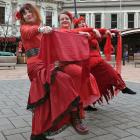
(120, 14)
(75, 9)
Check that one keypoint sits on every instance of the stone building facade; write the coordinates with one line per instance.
(123, 15)
(48, 8)
(120, 14)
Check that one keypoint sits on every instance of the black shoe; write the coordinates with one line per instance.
(90, 108)
(39, 137)
(128, 91)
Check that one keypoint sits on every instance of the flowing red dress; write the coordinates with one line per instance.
(50, 102)
(108, 79)
(87, 89)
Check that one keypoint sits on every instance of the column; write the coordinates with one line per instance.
(87, 19)
(92, 20)
(102, 20)
(55, 17)
(136, 20)
(125, 21)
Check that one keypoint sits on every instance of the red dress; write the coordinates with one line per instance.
(88, 91)
(50, 102)
(107, 78)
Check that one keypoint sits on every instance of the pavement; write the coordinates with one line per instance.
(118, 120)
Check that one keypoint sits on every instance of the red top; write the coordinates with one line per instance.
(31, 39)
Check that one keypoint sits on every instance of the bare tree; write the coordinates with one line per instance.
(7, 28)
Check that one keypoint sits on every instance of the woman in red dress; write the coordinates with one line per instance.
(52, 103)
(107, 78)
(88, 91)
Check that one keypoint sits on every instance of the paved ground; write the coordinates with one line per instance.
(117, 121)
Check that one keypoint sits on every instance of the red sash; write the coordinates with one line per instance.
(64, 46)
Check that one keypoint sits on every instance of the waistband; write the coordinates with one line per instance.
(32, 52)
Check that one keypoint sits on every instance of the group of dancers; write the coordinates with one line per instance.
(65, 81)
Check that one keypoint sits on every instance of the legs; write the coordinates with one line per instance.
(77, 123)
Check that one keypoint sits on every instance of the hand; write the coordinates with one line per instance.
(97, 33)
(112, 34)
(85, 33)
(45, 29)
(108, 32)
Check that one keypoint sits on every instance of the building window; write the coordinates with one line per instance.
(130, 20)
(2, 15)
(97, 20)
(113, 21)
(82, 0)
(48, 18)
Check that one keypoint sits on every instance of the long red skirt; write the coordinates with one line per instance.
(107, 78)
(51, 103)
(88, 90)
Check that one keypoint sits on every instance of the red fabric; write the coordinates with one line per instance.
(107, 78)
(30, 36)
(76, 21)
(53, 112)
(65, 47)
(45, 115)
(119, 54)
(108, 48)
(20, 46)
(102, 31)
(88, 89)
(69, 47)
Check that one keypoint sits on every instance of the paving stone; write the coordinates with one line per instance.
(118, 120)
(16, 130)
(15, 137)
(131, 138)
(98, 131)
(117, 132)
(80, 137)
(2, 137)
(128, 125)
(105, 137)
(27, 135)
(134, 131)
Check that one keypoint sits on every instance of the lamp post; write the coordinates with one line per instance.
(120, 14)
(123, 55)
(75, 9)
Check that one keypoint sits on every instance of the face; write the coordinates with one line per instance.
(82, 24)
(64, 21)
(29, 17)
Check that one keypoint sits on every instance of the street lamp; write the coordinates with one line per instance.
(75, 9)
(120, 14)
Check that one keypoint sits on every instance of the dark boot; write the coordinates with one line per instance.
(90, 108)
(128, 91)
(39, 137)
(77, 123)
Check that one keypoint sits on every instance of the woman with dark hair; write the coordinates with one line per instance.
(52, 102)
(107, 78)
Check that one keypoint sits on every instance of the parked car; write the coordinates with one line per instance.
(8, 59)
(6, 53)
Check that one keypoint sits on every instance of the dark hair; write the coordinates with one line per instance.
(66, 13)
(32, 9)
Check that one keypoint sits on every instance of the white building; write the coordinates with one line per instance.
(120, 14)
(8, 25)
